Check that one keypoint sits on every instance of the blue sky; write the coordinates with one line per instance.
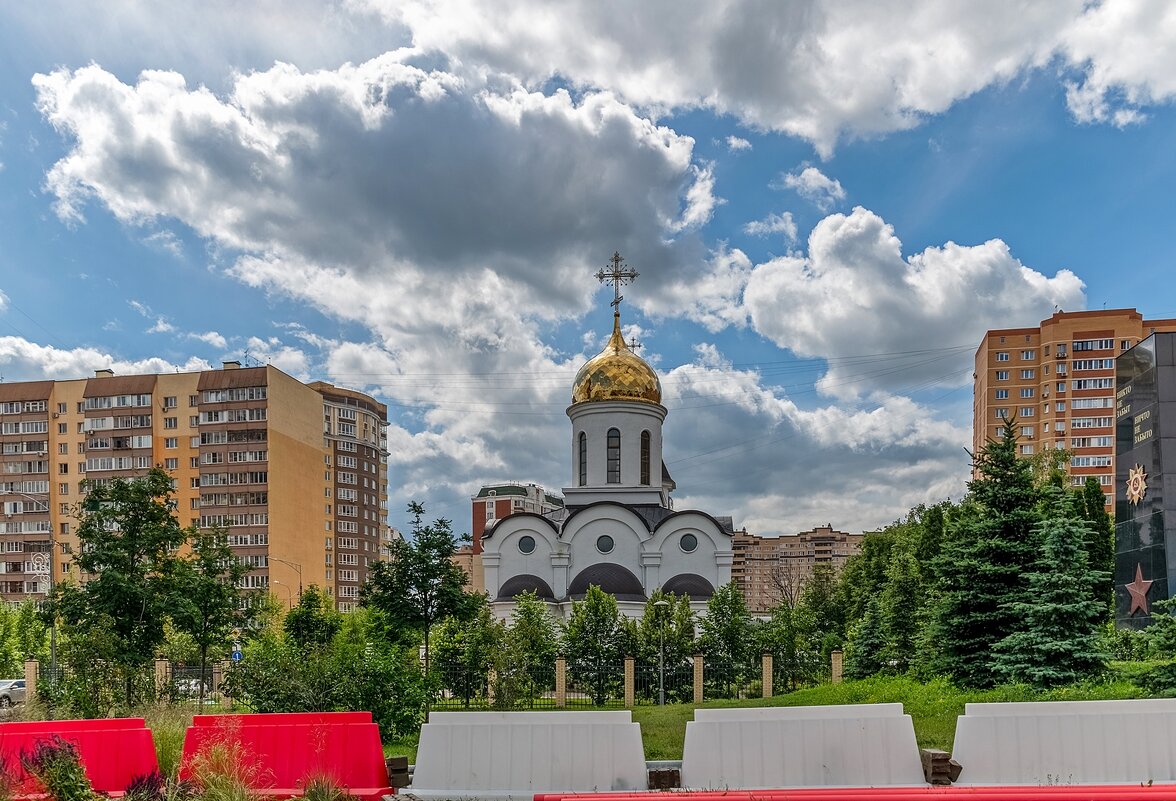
(828, 204)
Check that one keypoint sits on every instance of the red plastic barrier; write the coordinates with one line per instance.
(111, 757)
(286, 755)
(50, 726)
(282, 718)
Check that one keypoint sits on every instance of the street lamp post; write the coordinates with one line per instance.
(297, 568)
(660, 607)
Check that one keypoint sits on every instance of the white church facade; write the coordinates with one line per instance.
(618, 529)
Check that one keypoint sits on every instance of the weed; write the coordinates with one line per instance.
(224, 770)
(9, 784)
(323, 787)
(55, 763)
(168, 725)
(159, 787)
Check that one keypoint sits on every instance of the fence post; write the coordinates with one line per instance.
(698, 678)
(220, 669)
(629, 683)
(767, 676)
(162, 669)
(836, 660)
(32, 672)
(561, 682)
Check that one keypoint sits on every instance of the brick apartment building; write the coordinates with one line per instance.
(296, 472)
(1058, 379)
(769, 570)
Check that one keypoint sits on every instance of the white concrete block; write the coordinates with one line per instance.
(553, 716)
(1006, 708)
(1097, 744)
(875, 750)
(808, 712)
(517, 754)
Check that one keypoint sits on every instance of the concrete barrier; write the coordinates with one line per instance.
(1067, 743)
(514, 755)
(832, 746)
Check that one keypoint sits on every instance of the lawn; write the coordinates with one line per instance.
(933, 706)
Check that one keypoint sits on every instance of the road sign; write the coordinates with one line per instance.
(237, 656)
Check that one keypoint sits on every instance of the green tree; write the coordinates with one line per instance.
(725, 637)
(1100, 539)
(899, 607)
(531, 647)
(671, 624)
(594, 642)
(796, 660)
(990, 545)
(420, 584)
(1058, 642)
(464, 651)
(864, 648)
(313, 622)
(129, 537)
(207, 605)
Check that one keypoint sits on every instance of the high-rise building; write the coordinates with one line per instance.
(296, 473)
(1058, 380)
(495, 501)
(772, 570)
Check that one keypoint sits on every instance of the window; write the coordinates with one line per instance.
(1060, 406)
(1061, 386)
(645, 440)
(63, 447)
(1002, 414)
(63, 428)
(193, 400)
(169, 402)
(1093, 383)
(1002, 375)
(1027, 392)
(1026, 411)
(63, 489)
(1093, 403)
(1001, 394)
(1002, 356)
(1090, 461)
(1092, 442)
(1094, 364)
(171, 464)
(171, 442)
(526, 544)
(1028, 374)
(583, 459)
(688, 543)
(1028, 355)
(1125, 344)
(1027, 431)
(1093, 344)
(170, 422)
(604, 543)
(1026, 450)
(614, 456)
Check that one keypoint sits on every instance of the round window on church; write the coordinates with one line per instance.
(527, 544)
(604, 543)
(688, 543)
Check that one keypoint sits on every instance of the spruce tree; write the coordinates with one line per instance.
(899, 607)
(863, 651)
(1058, 642)
(1100, 540)
(990, 545)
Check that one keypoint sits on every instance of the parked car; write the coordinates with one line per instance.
(12, 691)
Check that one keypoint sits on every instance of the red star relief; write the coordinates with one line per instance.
(1138, 590)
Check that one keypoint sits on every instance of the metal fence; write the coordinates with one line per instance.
(675, 683)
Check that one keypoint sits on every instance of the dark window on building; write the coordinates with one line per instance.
(645, 458)
(583, 459)
(614, 456)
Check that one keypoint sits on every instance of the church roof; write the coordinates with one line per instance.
(616, 373)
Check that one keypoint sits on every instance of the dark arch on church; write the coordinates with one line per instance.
(613, 579)
(517, 585)
(691, 584)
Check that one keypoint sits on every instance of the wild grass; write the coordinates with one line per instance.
(168, 725)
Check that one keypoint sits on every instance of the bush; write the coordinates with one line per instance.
(56, 765)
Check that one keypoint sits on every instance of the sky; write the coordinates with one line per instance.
(828, 203)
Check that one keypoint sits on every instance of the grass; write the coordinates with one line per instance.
(933, 707)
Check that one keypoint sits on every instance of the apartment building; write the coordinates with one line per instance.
(1058, 379)
(296, 473)
(770, 570)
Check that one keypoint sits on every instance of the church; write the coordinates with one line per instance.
(618, 529)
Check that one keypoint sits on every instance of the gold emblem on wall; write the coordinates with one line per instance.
(1136, 484)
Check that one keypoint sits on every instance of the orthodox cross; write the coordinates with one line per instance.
(618, 274)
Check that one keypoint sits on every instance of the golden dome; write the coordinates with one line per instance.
(617, 373)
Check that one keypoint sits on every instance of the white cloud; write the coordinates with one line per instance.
(1127, 52)
(773, 224)
(814, 186)
(820, 70)
(166, 241)
(737, 143)
(286, 358)
(887, 322)
(3, 301)
(25, 361)
(211, 338)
